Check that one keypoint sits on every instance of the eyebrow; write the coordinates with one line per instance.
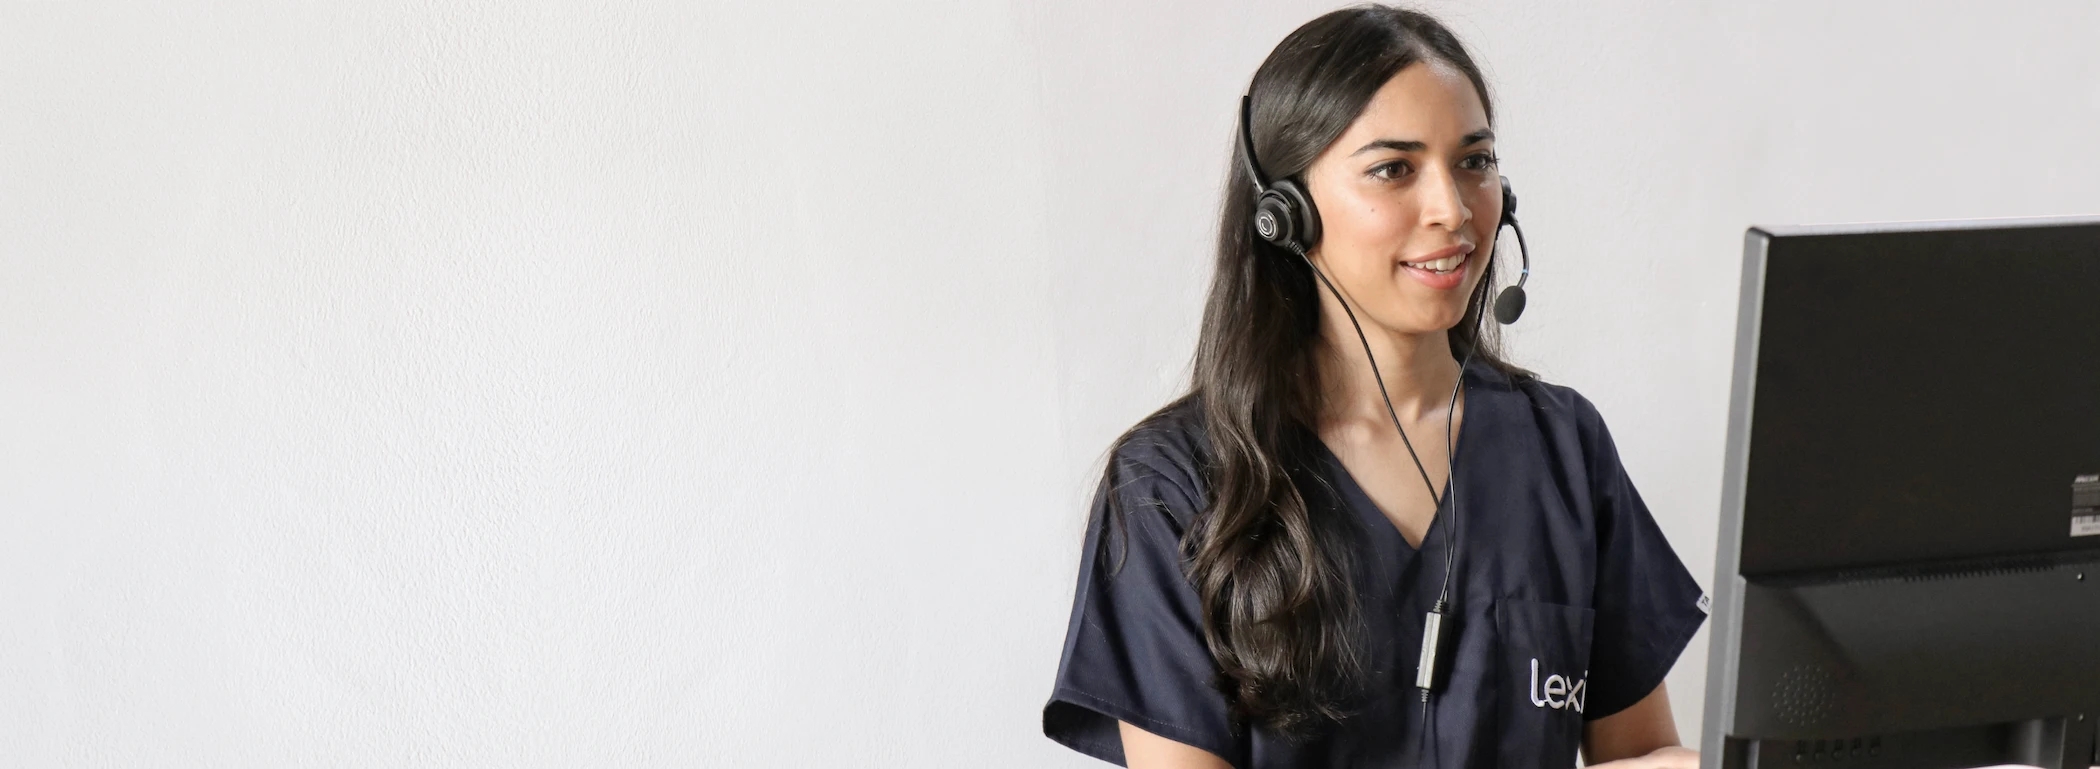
(1397, 145)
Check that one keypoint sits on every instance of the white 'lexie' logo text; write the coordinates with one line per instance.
(1557, 692)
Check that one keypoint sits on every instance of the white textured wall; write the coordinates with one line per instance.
(391, 384)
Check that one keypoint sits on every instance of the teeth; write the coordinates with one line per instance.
(1445, 264)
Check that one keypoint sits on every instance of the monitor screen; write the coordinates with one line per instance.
(1923, 394)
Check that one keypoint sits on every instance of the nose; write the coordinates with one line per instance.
(1442, 204)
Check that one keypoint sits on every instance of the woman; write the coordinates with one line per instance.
(1266, 551)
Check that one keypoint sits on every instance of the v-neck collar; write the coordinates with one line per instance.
(1359, 501)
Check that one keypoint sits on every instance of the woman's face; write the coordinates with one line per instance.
(1411, 184)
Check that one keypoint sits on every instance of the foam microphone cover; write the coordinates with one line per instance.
(1509, 305)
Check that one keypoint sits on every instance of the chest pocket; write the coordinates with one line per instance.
(1544, 681)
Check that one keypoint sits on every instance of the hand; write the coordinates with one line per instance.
(1672, 757)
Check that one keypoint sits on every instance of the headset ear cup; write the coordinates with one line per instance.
(1305, 220)
(1273, 219)
(1509, 202)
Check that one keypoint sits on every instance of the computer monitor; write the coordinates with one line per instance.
(1908, 571)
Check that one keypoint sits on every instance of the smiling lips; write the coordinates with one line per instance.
(1442, 269)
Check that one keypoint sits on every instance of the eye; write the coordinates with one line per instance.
(1479, 161)
(1390, 171)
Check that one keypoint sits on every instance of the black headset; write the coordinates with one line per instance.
(1284, 215)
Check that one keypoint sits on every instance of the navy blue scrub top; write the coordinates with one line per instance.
(1569, 603)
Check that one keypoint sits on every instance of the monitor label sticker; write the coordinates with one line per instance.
(2085, 505)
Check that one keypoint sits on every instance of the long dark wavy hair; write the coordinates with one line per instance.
(1272, 571)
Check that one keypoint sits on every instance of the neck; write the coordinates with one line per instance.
(1417, 368)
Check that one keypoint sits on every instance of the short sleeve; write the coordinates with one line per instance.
(1647, 604)
(1134, 648)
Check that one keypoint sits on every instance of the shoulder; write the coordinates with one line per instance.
(1559, 410)
(1569, 428)
(1163, 458)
